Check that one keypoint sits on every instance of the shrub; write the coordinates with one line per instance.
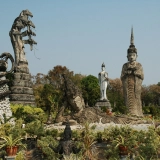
(27, 113)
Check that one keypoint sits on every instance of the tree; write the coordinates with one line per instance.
(76, 79)
(150, 94)
(90, 89)
(55, 75)
(49, 96)
(39, 79)
(115, 95)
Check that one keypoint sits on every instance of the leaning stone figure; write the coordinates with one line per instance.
(103, 82)
(132, 77)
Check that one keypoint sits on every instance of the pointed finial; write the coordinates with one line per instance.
(132, 37)
(103, 65)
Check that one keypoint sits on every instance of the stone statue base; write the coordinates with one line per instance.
(21, 91)
(103, 103)
(10, 157)
(94, 115)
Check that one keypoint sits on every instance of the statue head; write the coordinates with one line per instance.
(26, 12)
(132, 51)
(4, 62)
(132, 57)
(67, 132)
(103, 66)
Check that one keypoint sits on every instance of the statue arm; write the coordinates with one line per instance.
(124, 72)
(139, 72)
(76, 150)
(106, 76)
(27, 33)
(58, 149)
(99, 78)
(31, 42)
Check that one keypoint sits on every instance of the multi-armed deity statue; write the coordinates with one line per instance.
(22, 90)
(132, 77)
(16, 35)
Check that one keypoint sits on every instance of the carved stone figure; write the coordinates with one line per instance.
(103, 82)
(66, 145)
(22, 91)
(132, 77)
(4, 89)
(73, 95)
(17, 36)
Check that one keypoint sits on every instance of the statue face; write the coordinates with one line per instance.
(103, 68)
(132, 57)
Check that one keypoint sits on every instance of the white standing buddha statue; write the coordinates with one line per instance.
(103, 82)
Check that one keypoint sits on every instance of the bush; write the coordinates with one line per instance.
(154, 110)
(27, 113)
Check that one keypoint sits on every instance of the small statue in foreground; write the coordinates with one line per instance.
(132, 77)
(103, 82)
(66, 145)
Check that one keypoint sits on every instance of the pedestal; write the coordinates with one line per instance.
(103, 103)
(10, 157)
(123, 157)
(21, 91)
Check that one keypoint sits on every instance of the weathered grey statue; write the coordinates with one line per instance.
(66, 145)
(72, 97)
(22, 91)
(132, 77)
(17, 36)
(103, 82)
(4, 89)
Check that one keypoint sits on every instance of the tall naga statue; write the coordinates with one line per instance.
(132, 77)
(21, 91)
(17, 36)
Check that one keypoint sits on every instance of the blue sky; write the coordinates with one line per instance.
(82, 34)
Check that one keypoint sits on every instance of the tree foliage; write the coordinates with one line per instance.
(49, 89)
(55, 75)
(150, 95)
(90, 89)
(26, 112)
(115, 95)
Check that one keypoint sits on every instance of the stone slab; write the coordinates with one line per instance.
(22, 97)
(10, 157)
(23, 69)
(21, 90)
(23, 83)
(24, 103)
(22, 76)
(103, 104)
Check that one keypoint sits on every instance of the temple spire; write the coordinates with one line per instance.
(132, 48)
(132, 37)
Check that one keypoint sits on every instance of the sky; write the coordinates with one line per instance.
(82, 34)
